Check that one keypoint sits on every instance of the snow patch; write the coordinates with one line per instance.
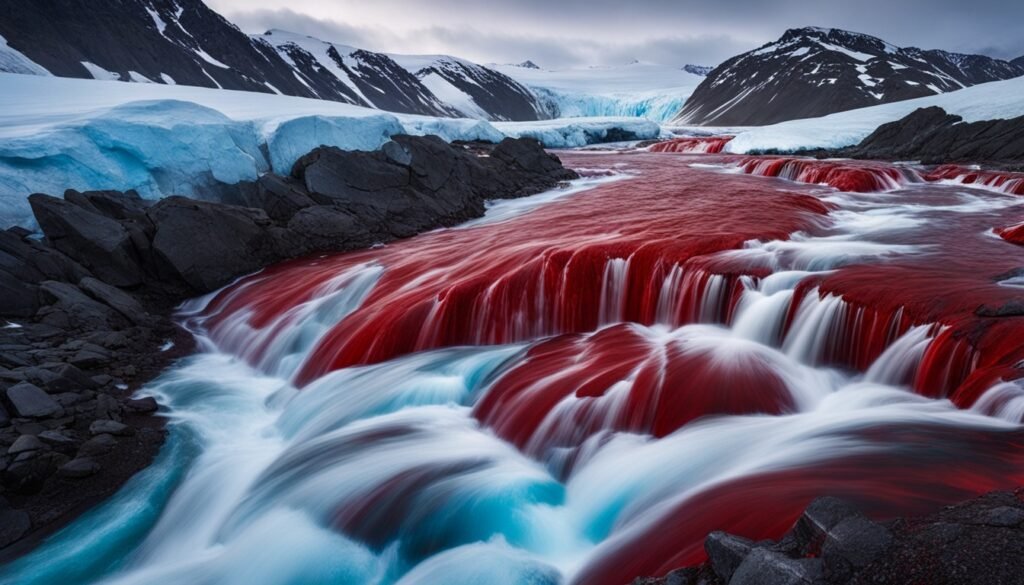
(14, 61)
(100, 73)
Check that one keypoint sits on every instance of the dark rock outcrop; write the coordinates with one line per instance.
(932, 136)
(980, 541)
(91, 300)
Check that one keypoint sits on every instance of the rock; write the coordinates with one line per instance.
(206, 245)
(726, 552)
(79, 468)
(110, 427)
(28, 476)
(821, 516)
(57, 439)
(280, 197)
(324, 226)
(24, 444)
(98, 445)
(1003, 517)
(856, 541)
(107, 407)
(5, 417)
(144, 405)
(90, 358)
(62, 378)
(99, 243)
(17, 298)
(116, 299)
(764, 567)
(29, 401)
(80, 309)
(13, 524)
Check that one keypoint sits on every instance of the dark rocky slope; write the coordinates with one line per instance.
(90, 303)
(932, 136)
(979, 542)
(811, 72)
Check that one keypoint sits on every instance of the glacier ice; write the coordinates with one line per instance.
(162, 140)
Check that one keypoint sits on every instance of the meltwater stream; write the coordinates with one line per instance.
(578, 388)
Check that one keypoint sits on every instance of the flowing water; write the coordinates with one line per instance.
(582, 385)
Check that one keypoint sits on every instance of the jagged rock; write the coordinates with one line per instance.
(99, 243)
(822, 515)
(765, 567)
(17, 298)
(28, 475)
(1003, 517)
(110, 427)
(325, 226)
(853, 544)
(57, 440)
(280, 197)
(116, 299)
(62, 378)
(726, 552)
(206, 245)
(90, 357)
(29, 401)
(79, 468)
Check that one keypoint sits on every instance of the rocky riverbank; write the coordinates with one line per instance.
(980, 541)
(85, 310)
(931, 136)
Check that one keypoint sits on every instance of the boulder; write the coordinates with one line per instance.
(207, 245)
(79, 468)
(29, 401)
(822, 515)
(116, 299)
(726, 552)
(110, 427)
(765, 567)
(25, 443)
(280, 197)
(98, 445)
(17, 298)
(99, 243)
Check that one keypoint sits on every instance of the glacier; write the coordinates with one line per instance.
(58, 134)
(987, 101)
(643, 90)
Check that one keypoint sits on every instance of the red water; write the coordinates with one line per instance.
(548, 277)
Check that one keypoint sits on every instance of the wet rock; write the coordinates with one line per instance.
(143, 405)
(821, 516)
(853, 544)
(110, 427)
(726, 552)
(90, 356)
(29, 401)
(62, 378)
(28, 475)
(280, 197)
(78, 468)
(764, 567)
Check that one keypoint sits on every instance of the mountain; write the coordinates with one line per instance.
(185, 42)
(702, 70)
(811, 72)
(1019, 61)
(363, 77)
(474, 90)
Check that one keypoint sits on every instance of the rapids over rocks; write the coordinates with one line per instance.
(579, 387)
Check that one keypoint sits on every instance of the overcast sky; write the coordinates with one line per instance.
(562, 33)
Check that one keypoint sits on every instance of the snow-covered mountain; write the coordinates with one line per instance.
(643, 90)
(1019, 61)
(474, 90)
(184, 42)
(812, 72)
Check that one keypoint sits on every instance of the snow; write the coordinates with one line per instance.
(100, 73)
(209, 59)
(453, 96)
(642, 90)
(59, 133)
(15, 61)
(987, 101)
(281, 39)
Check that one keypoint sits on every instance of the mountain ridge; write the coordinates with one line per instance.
(812, 71)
